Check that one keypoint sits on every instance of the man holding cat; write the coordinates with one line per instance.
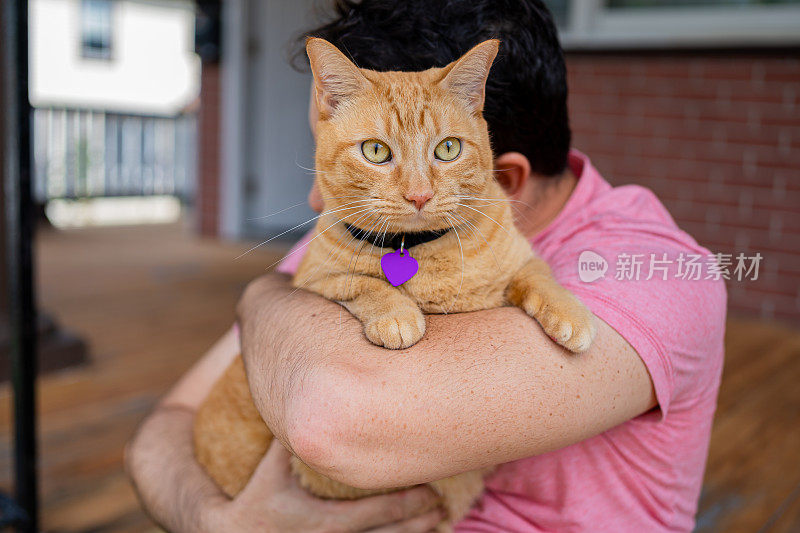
(611, 440)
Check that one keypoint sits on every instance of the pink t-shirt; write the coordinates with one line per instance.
(645, 474)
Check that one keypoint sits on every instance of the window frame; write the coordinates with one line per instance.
(90, 52)
(592, 25)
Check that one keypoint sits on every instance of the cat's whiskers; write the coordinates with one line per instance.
(278, 212)
(494, 199)
(324, 213)
(475, 231)
(385, 229)
(354, 262)
(493, 202)
(364, 196)
(452, 208)
(516, 209)
(385, 221)
(355, 266)
(305, 202)
(360, 235)
(461, 249)
(312, 170)
(485, 215)
(306, 244)
(339, 246)
(337, 249)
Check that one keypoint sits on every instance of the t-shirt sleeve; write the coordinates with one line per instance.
(674, 324)
(291, 261)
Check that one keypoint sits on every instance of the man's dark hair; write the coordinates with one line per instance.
(526, 94)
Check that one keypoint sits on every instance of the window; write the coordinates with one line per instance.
(586, 24)
(96, 29)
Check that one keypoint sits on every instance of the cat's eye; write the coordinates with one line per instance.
(376, 151)
(448, 149)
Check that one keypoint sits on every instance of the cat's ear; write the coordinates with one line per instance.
(467, 75)
(336, 78)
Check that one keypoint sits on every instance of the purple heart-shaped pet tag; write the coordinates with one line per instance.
(399, 267)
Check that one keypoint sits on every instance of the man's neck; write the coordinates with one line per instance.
(543, 198)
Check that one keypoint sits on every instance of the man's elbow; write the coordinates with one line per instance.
(331, 430)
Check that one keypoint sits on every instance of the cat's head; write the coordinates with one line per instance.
(399, 151)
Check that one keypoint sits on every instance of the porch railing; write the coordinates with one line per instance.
(89, 154)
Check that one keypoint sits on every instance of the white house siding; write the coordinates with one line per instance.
(152, 69)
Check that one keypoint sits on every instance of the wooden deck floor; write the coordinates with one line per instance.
(149, 300)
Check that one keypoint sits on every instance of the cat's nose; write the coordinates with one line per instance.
(419, 199)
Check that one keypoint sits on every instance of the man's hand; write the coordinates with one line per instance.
(178, 494)
(273, 501)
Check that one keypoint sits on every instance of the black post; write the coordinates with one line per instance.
(19, 241)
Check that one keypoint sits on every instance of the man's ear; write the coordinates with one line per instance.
(315, 198)
(466, 76)
(336, 78)
(511, 171)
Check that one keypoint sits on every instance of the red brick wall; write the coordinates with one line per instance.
(717, 138)
(208, 150)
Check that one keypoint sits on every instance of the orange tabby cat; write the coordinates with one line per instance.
(403, 160)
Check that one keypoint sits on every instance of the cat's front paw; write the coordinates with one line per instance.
(399, 328)
(564, 318)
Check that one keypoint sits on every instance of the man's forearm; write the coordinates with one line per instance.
(481, 388)
(271, 316)
(169, 481)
